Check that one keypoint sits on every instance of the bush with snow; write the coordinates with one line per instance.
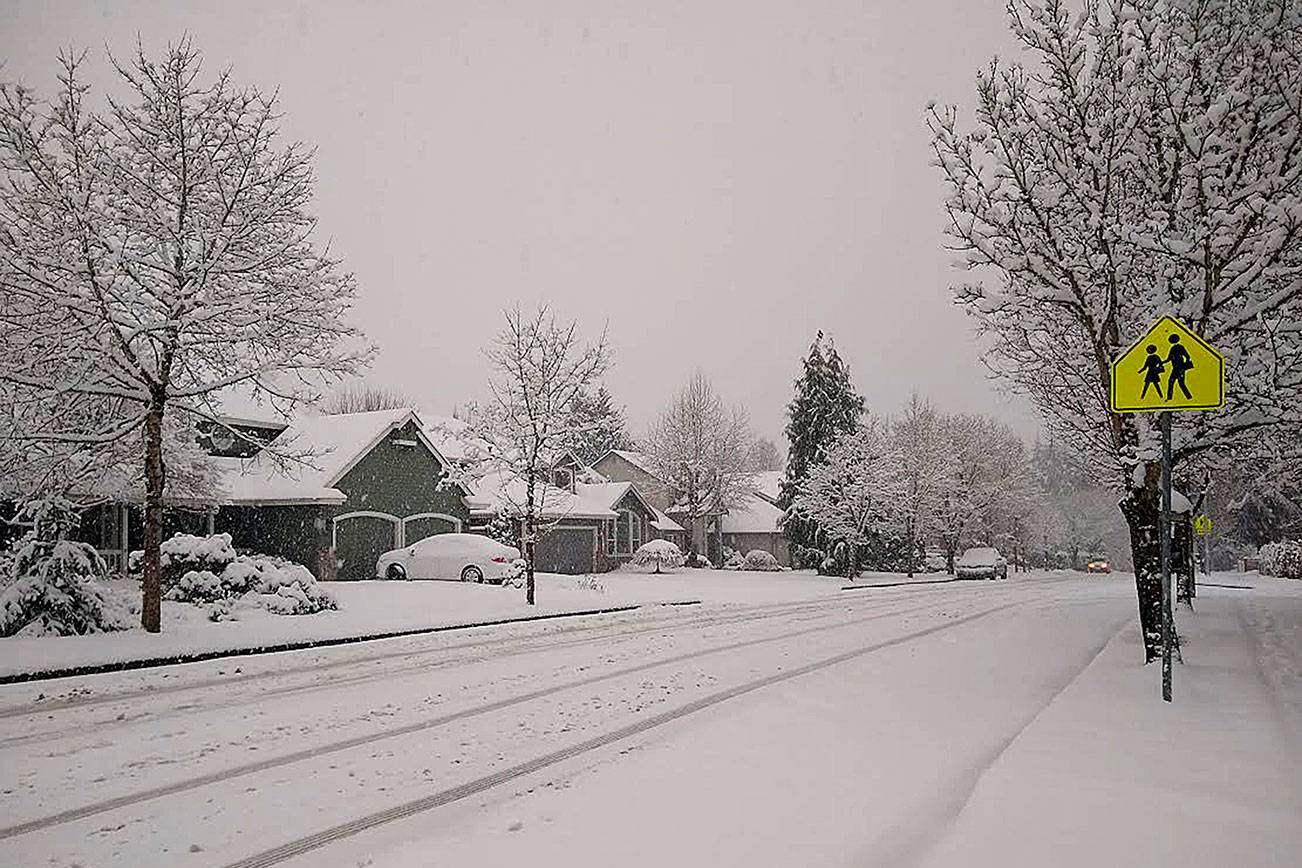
(658, 553)
(733, 560)
(185, 553)
(761, 561)
(699, 561)
(206, 571)
(1282, 559)
(49, 586)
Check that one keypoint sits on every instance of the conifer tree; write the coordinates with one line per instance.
(825, 407)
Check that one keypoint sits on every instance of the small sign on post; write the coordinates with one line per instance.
(1168, 369)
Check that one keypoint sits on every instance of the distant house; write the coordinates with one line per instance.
(588, 524)
(339, 490)
(756, 523)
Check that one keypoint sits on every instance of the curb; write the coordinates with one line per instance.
(198, 657)
(902, 584)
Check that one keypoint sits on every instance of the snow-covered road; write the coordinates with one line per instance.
(847, 730)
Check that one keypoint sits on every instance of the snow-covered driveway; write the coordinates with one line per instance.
(867, 728)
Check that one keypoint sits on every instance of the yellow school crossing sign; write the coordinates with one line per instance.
(1169, 368)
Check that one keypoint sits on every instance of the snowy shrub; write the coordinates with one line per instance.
(49, 586)
(275, 584)
(733, 560)
(700, 561)
(761, 561)
(1282, 559)
(591, 583)
(658, 553)
(184, 553)
(806, 557)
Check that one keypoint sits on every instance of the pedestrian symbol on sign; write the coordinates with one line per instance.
(1189, 377)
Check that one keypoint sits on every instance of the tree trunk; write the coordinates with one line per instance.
(1182, 558)
(1143, 511)
(529, 550)
(908, 535)
(949, 557)
(155, 479)
(529, 544)
(853, 566)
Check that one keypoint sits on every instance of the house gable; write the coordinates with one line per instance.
(400, 475)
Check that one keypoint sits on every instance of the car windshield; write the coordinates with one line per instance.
(979, 558)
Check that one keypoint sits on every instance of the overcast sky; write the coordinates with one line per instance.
(712, 181)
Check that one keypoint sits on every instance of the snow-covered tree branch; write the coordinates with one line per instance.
(153, 254)
(1148, 163)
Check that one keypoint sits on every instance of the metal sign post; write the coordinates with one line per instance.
(1166, 557)
(1169, 368)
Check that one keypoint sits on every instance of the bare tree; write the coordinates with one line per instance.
(764, 455)
(363, 398)
(539, 369)
(987, 480)
(154, 255)
(922, 470)
(1149, 163)
(700, 450)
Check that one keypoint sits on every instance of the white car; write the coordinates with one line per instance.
(982, 563)
(469, 557)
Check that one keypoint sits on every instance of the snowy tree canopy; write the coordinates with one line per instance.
(824, 407)
(700, 450)
(855, 489)
(154, 253)
(1148, 162)
(540, 368)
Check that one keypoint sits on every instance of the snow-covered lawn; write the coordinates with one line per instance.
(369, 608)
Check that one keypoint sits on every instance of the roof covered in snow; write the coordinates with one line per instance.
(640, 460)
(767, 484)
(752, 515)
(665, 524)
(310, 457)
(503, 491)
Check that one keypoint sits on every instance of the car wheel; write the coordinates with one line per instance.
(395, 573)
(472, 574)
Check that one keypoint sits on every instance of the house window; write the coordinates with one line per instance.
(635, 524)
(621, 533)
(608, 529)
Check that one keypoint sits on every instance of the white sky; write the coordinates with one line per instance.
(716, 181)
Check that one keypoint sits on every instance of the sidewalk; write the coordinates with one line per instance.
(1108, 774)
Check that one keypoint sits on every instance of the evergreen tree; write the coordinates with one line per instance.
(599, 426)
(825, 407)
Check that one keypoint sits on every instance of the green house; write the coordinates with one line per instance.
(331, 492)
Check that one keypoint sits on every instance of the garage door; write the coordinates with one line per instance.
(418, 527)
(359, 542)
(566, 550)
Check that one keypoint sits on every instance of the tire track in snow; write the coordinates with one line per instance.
(324, 837)
(225, 774)
(414, 661)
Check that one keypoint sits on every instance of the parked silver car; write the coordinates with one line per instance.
(982, 563)
(469, 557)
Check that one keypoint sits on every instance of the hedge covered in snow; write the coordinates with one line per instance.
(50, 586)
(658, 553)
(761, 561)
(207, 571)
(1282, 559)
